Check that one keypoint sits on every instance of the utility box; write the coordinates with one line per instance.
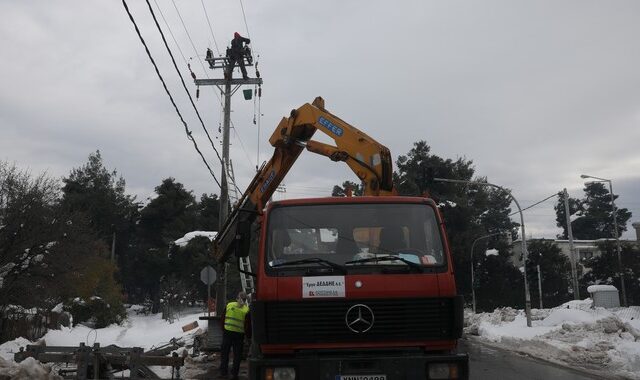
(604, 296)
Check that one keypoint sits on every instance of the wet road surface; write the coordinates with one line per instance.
(487, 362)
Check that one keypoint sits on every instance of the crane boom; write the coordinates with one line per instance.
(369, 160)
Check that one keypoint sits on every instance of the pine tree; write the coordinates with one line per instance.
(169, 216)
(208, 212)
(341, 191)
(605, 269)
(555, 270)
(99, 194)
(594, 214)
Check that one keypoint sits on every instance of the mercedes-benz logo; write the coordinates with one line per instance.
(359, 318)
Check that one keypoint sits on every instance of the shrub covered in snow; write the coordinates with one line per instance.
(95, 312)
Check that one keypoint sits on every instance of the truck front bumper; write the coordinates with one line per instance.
(405, 366)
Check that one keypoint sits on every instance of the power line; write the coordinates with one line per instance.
(195, 50)
(182, 80)
(245, 19)
(170, 32)
(242, 145)
(210, 28)
(153, 62)
(535, 204)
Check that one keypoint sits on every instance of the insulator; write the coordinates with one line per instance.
(260, 92)
(198, 93)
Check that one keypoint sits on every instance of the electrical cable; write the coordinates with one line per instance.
(242, 145)
(171, 33)
(196, 51)
(210, 28)
(182, 80)
(245, 20)
(153, 62)
(535, 204)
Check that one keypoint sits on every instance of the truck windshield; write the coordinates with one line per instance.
(353, 236)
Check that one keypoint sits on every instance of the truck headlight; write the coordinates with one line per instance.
(280, 373)
(443, 371)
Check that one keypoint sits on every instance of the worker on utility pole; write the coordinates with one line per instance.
(236, 54)
(235, 323)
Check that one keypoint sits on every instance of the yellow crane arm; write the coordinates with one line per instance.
(369, 160)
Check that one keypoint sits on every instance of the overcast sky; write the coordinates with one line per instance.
(535, 93)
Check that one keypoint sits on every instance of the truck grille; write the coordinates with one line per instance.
(323, 321)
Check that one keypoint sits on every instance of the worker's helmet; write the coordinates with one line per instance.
(236, 34)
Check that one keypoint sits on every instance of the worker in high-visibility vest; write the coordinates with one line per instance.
(235, 324)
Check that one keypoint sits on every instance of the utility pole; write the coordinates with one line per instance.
(230, 87)
(572, 250)
(540, 286)
(113, 248)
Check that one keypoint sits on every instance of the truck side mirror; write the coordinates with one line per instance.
(243, 238)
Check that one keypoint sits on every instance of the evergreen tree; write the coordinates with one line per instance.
(169, 216)
(166, 218)
(469, 211)
(47, 253)
(99, 194)
(594, 214)
(209, 212)
(341, 191)
(561, 218)
(555, 270)
(498, 283)
(605, 269)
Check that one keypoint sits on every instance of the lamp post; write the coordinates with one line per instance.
(615, 229)
(527, 296)
(473, 288)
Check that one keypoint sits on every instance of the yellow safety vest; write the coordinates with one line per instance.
(234, 317)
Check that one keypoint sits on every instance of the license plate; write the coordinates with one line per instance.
(361, 377)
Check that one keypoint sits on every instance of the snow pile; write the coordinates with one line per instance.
(7, 349)
(183, 241)
(146, 331)
(28, 369)
(605, 340)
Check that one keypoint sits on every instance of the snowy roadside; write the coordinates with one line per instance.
(572, 334)
(146, 331)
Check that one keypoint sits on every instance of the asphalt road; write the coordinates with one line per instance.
(487, 362)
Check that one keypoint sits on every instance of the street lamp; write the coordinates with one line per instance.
(473, 288)
(615, 229)
(527, 296)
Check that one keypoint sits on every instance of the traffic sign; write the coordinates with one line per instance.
(208, 275)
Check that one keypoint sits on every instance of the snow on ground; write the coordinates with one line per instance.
(574, 334)
(146, 331)
(139, 330)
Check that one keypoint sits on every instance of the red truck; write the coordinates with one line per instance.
(347, 288)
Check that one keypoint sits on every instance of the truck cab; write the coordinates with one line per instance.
(355, 288)
(347, 288)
